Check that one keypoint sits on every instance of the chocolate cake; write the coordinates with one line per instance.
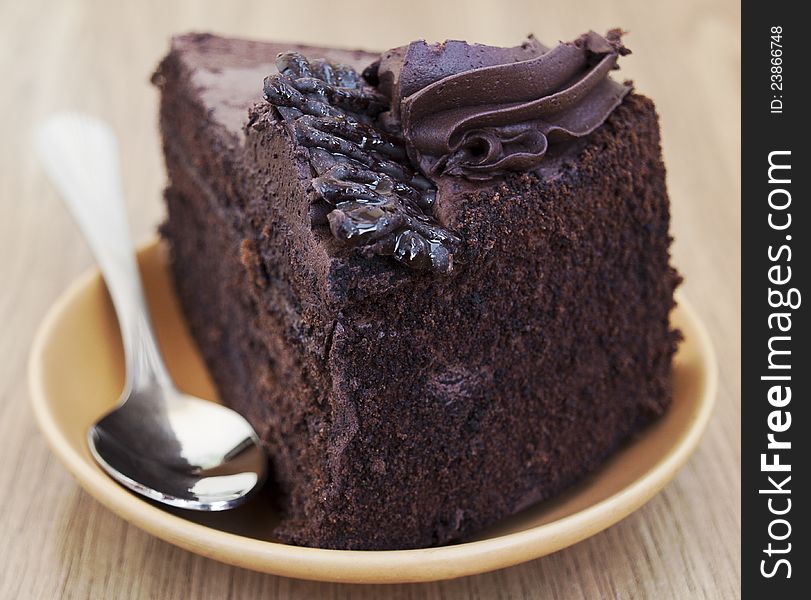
(436, 280)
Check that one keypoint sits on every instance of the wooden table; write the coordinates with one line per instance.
(56, 541)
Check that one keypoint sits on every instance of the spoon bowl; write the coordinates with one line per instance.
(182, 450)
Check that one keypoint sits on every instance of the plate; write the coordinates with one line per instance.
(76, 375)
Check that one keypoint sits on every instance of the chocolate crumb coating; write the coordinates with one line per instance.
(401, 409)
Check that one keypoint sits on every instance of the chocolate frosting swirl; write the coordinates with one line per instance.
(480, 111)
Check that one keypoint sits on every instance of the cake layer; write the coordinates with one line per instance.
(404, 409)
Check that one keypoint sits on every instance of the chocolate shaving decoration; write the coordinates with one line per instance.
(381, 205)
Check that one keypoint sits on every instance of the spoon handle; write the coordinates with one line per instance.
(80, 155)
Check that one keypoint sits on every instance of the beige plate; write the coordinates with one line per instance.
(76, 374)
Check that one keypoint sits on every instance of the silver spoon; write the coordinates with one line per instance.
(159, 442)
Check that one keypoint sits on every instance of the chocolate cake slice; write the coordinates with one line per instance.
(435, 280)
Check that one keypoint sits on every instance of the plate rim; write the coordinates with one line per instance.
(365, 566)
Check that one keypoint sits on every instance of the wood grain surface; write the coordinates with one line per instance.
(56, 541)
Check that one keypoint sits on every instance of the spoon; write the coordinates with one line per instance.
(159, 442)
